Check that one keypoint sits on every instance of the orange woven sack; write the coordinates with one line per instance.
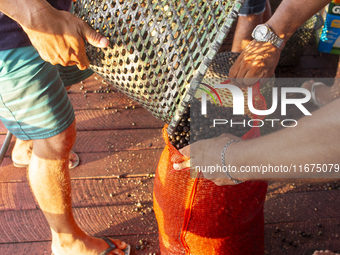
(197, 217)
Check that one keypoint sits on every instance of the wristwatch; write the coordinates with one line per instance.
(263, 33)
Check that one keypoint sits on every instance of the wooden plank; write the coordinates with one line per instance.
(299, 187)
(291, 233)
(109, 192)
(92, 101)
(16, 196)
(39, 248)
(92, 83)
(85, 193)
(104, 164)
(110, 119)
(31, 225)
(8, 172)
(116, 163)
(32, 248)
(119, 140)
(123, 119)
(109, 141)
(302, 206)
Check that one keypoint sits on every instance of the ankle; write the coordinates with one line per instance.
(64, 240)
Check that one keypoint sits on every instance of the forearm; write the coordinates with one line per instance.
(291, 14)
(315, 140)
(23, 11)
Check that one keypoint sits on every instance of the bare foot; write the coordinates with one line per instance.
(327, 252)
(22, 152)
(86, 245)
(323, 94)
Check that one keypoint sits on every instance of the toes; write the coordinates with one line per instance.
(119, 244)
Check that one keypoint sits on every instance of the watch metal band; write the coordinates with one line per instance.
(274, 39)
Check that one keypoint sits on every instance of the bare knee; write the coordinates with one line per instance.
(56, 147)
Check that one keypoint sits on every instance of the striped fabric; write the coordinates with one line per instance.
(33, 100)
(72, 75)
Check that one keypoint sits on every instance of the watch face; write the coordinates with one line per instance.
(260, 32)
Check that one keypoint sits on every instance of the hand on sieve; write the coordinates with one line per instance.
(258, 60)
(59, 36)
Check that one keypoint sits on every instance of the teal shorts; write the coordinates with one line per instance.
(33, 100)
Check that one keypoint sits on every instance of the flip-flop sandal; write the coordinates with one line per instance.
(19, 165)
(74, 160)
(111, 248)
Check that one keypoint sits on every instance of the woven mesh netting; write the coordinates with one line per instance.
(218, 73)
(159, 50)
(197, 217)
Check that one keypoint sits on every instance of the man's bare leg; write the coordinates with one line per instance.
(22, 150)
(50, 181)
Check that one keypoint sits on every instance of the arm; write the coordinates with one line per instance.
(315, 140)
(259, 59)
(57, 35)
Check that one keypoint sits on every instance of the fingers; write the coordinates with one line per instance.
(235, 68)
(258, 60)
(244, 74)
(119, 244)
(93, 37)
(77, 54)
(182, 165)
(185, 164)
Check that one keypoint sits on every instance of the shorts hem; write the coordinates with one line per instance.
(46, 135)
(256, 13)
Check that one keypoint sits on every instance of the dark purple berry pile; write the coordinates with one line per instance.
(181, 136)
(194, 126)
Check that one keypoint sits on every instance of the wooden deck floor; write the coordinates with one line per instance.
(127, 140)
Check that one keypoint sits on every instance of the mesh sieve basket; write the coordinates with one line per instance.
(159, 50)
